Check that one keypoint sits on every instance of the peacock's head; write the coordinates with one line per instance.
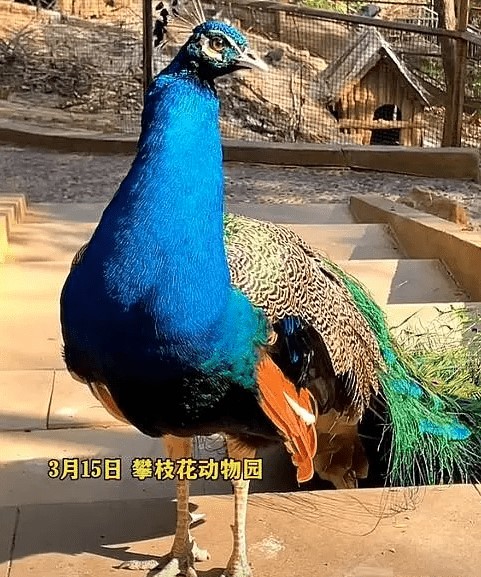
(216, 48)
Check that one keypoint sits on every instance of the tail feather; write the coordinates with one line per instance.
(435, 437)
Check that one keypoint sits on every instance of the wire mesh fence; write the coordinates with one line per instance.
(339, 82)
(84, 72)
(331, 80)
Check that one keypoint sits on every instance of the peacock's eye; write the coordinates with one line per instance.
(217, 43)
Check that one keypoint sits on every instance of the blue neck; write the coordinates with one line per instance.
(161, 240)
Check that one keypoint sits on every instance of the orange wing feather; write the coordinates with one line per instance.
(299, 436)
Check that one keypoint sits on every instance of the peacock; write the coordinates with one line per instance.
(185, 321)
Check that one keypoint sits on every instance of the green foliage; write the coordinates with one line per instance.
(339, 6)
(447, 353)
(433, 67)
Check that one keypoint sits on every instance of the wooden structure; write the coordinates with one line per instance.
(372, 94)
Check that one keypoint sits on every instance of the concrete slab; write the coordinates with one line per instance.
(8, 524)
(364, 533)
(283, 153)
(74, 406)
(25, 399)
(29, 316)
(79, 141)
(350, 242)
(405, 281)
(431, 162)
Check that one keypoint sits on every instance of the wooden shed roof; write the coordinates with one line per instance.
(361, 55)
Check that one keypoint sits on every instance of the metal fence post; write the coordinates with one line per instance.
(147, 42)
(455, 106)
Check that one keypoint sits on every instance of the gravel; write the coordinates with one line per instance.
(46, 176)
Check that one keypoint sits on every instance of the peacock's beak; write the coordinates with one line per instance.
(249, 59)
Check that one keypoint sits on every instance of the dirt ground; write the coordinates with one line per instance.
(87, 73)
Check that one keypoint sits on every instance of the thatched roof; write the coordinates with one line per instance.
(361, 55)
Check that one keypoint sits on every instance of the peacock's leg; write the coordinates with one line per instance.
(238, 566)
(184, 550)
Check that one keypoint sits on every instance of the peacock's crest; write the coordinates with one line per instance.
(211, 46)
(176, 17)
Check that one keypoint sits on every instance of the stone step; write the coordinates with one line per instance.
(19, 204)
(30, 294)
(48, 234)
(25, 456)
(7, 209)
(40, 398)
(4, 227)
(350, 242)
(363, 533)
(47, 241)
(12, 211)
(399, 281)
(29, 315)
(60, 240)
(282, 213)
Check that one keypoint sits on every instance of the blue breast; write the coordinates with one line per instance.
(152, 300)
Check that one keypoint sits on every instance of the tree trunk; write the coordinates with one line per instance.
(447, 19)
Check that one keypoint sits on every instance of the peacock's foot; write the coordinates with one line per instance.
(175, 565)
(136, 565)
(238, 567)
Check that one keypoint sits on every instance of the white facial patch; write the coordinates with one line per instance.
(208, 51)
(211, 53)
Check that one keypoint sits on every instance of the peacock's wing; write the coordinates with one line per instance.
(322, 342)
(310, 309)
(432, 436)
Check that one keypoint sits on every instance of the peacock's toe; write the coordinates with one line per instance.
(136, 565)
(239, 569)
